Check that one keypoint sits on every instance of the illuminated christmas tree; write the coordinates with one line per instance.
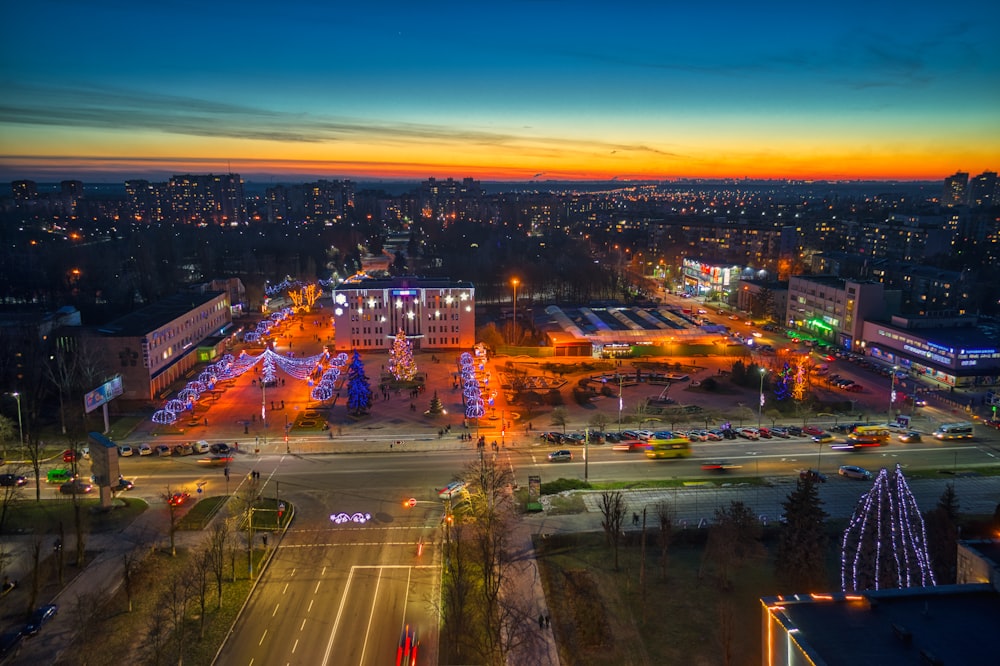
(359, 391)
(401, 363)
(801, 382)
(885, 544)
(436, 406)
(305, 297)
(783, 384)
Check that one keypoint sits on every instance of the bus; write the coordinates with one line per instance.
(961, 430)
(875, 435)
(677, 447)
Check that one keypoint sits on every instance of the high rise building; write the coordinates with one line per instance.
(208, 199)
(983, 189)
(956, 189)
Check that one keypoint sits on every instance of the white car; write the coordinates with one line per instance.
(145, 450)
(125, 451)
(201, 446)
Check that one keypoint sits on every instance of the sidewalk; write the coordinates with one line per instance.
(540, 648)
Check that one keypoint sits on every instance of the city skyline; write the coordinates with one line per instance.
(529, 92)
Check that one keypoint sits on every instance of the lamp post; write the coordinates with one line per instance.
(20, 427)
(892, 391)
(514, 282)
(619, 402)
(760, 406)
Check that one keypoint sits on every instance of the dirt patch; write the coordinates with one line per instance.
(586, 610)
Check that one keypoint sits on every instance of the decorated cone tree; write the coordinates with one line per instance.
(359, 391)
(401, 363)
(436, 406)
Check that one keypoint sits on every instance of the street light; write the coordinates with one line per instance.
(20, 427)
(760, 407)
(514, 282)
(892, 390)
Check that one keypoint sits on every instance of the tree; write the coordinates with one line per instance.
(732, 539)
(401, 364)
(558, 418)
(800, 562)
(436, 406)
(665, 515)
(599, 421)
(613, 510)
(942, 536)
(219, 535)
(173, 511)
(9, 497)
(490, 336)
(359, 391)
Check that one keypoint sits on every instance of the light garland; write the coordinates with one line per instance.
(885, 543)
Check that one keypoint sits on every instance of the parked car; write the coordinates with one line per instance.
(183, 450)
(553, 437)
(124, 450)
(908, 437)
(765, 433)
(163, 450)
(201, 446)
(794, 431)
(748, 433)
(715, 435)
(12, 480)
(219, 448)
(813, 475)
(38, 618)
(145, 450)
(856, 388)
(562, 455)
(10, 643)
(854, 472)
(75, 487)
(778, 431)
(69, 455)
(812, 431)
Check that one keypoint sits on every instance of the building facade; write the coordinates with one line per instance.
(155, 346)
(433, 313)
(832, 309)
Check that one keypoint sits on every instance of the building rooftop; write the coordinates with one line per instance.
(948, 624)
(402, 282)
(156, 315)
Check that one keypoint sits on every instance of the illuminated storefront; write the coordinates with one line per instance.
(704, 279)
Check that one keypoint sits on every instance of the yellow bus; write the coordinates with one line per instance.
(678, 447)
(875, 435)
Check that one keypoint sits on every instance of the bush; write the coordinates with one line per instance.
(559, 485)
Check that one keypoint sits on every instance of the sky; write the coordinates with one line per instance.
(105, 90)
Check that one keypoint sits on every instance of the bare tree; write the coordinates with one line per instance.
(558, 418)
(200, 581)
(665, 514)
(174, 515)
(219, 535)
(9, 497)
(613, 509)
(732, 539)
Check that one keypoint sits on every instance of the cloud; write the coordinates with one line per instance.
(137, 110)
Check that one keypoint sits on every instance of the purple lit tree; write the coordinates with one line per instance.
(359, 391)
(783, 383)
(885, 544)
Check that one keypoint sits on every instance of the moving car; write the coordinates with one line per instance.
(215, 460)
(813, 475)
(630, 445)
(59, 476)
(854, 472)
(718, 466)
(908, 437)
(824, 438)
(409, 644)
(69, 455)
(41, 615)
(453, 488)
(10, 480)
(122, 484)
(562, 455)
(75, 487)
(178, 499)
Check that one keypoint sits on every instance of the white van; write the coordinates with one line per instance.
(201, 446)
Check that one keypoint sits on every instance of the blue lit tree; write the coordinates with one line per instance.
(784, 382)
(359, 391)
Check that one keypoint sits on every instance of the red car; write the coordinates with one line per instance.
(69, 455)
(992, 423)
(178, 498)
(812, 431)
(406, 653)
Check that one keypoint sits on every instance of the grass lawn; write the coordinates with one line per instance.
(44, 517)
(603, 616)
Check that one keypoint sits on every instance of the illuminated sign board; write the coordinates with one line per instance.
(404, 292)
(103, 394)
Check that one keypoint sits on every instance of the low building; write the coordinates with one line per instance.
(155, 346)
(434, 313)
(947, 624)
(832, 309)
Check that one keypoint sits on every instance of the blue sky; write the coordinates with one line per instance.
(505, 91)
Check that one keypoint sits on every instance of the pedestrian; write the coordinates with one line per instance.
(548, 619)
(635, 518)
(282, 402)
(236, 446)
(541, 621)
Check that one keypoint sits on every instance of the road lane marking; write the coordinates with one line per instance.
(276, 607)
(371, 616)
(317, 586)
(336, 622)
(310, 605)
(295, 645)
(303, 625)
(259, 643)
(286, 588)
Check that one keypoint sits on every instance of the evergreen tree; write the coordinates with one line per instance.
(942, 536)
(359, 391)
(401, 363)
(436, 406)
(800, 560)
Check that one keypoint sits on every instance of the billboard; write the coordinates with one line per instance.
(103, 394)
